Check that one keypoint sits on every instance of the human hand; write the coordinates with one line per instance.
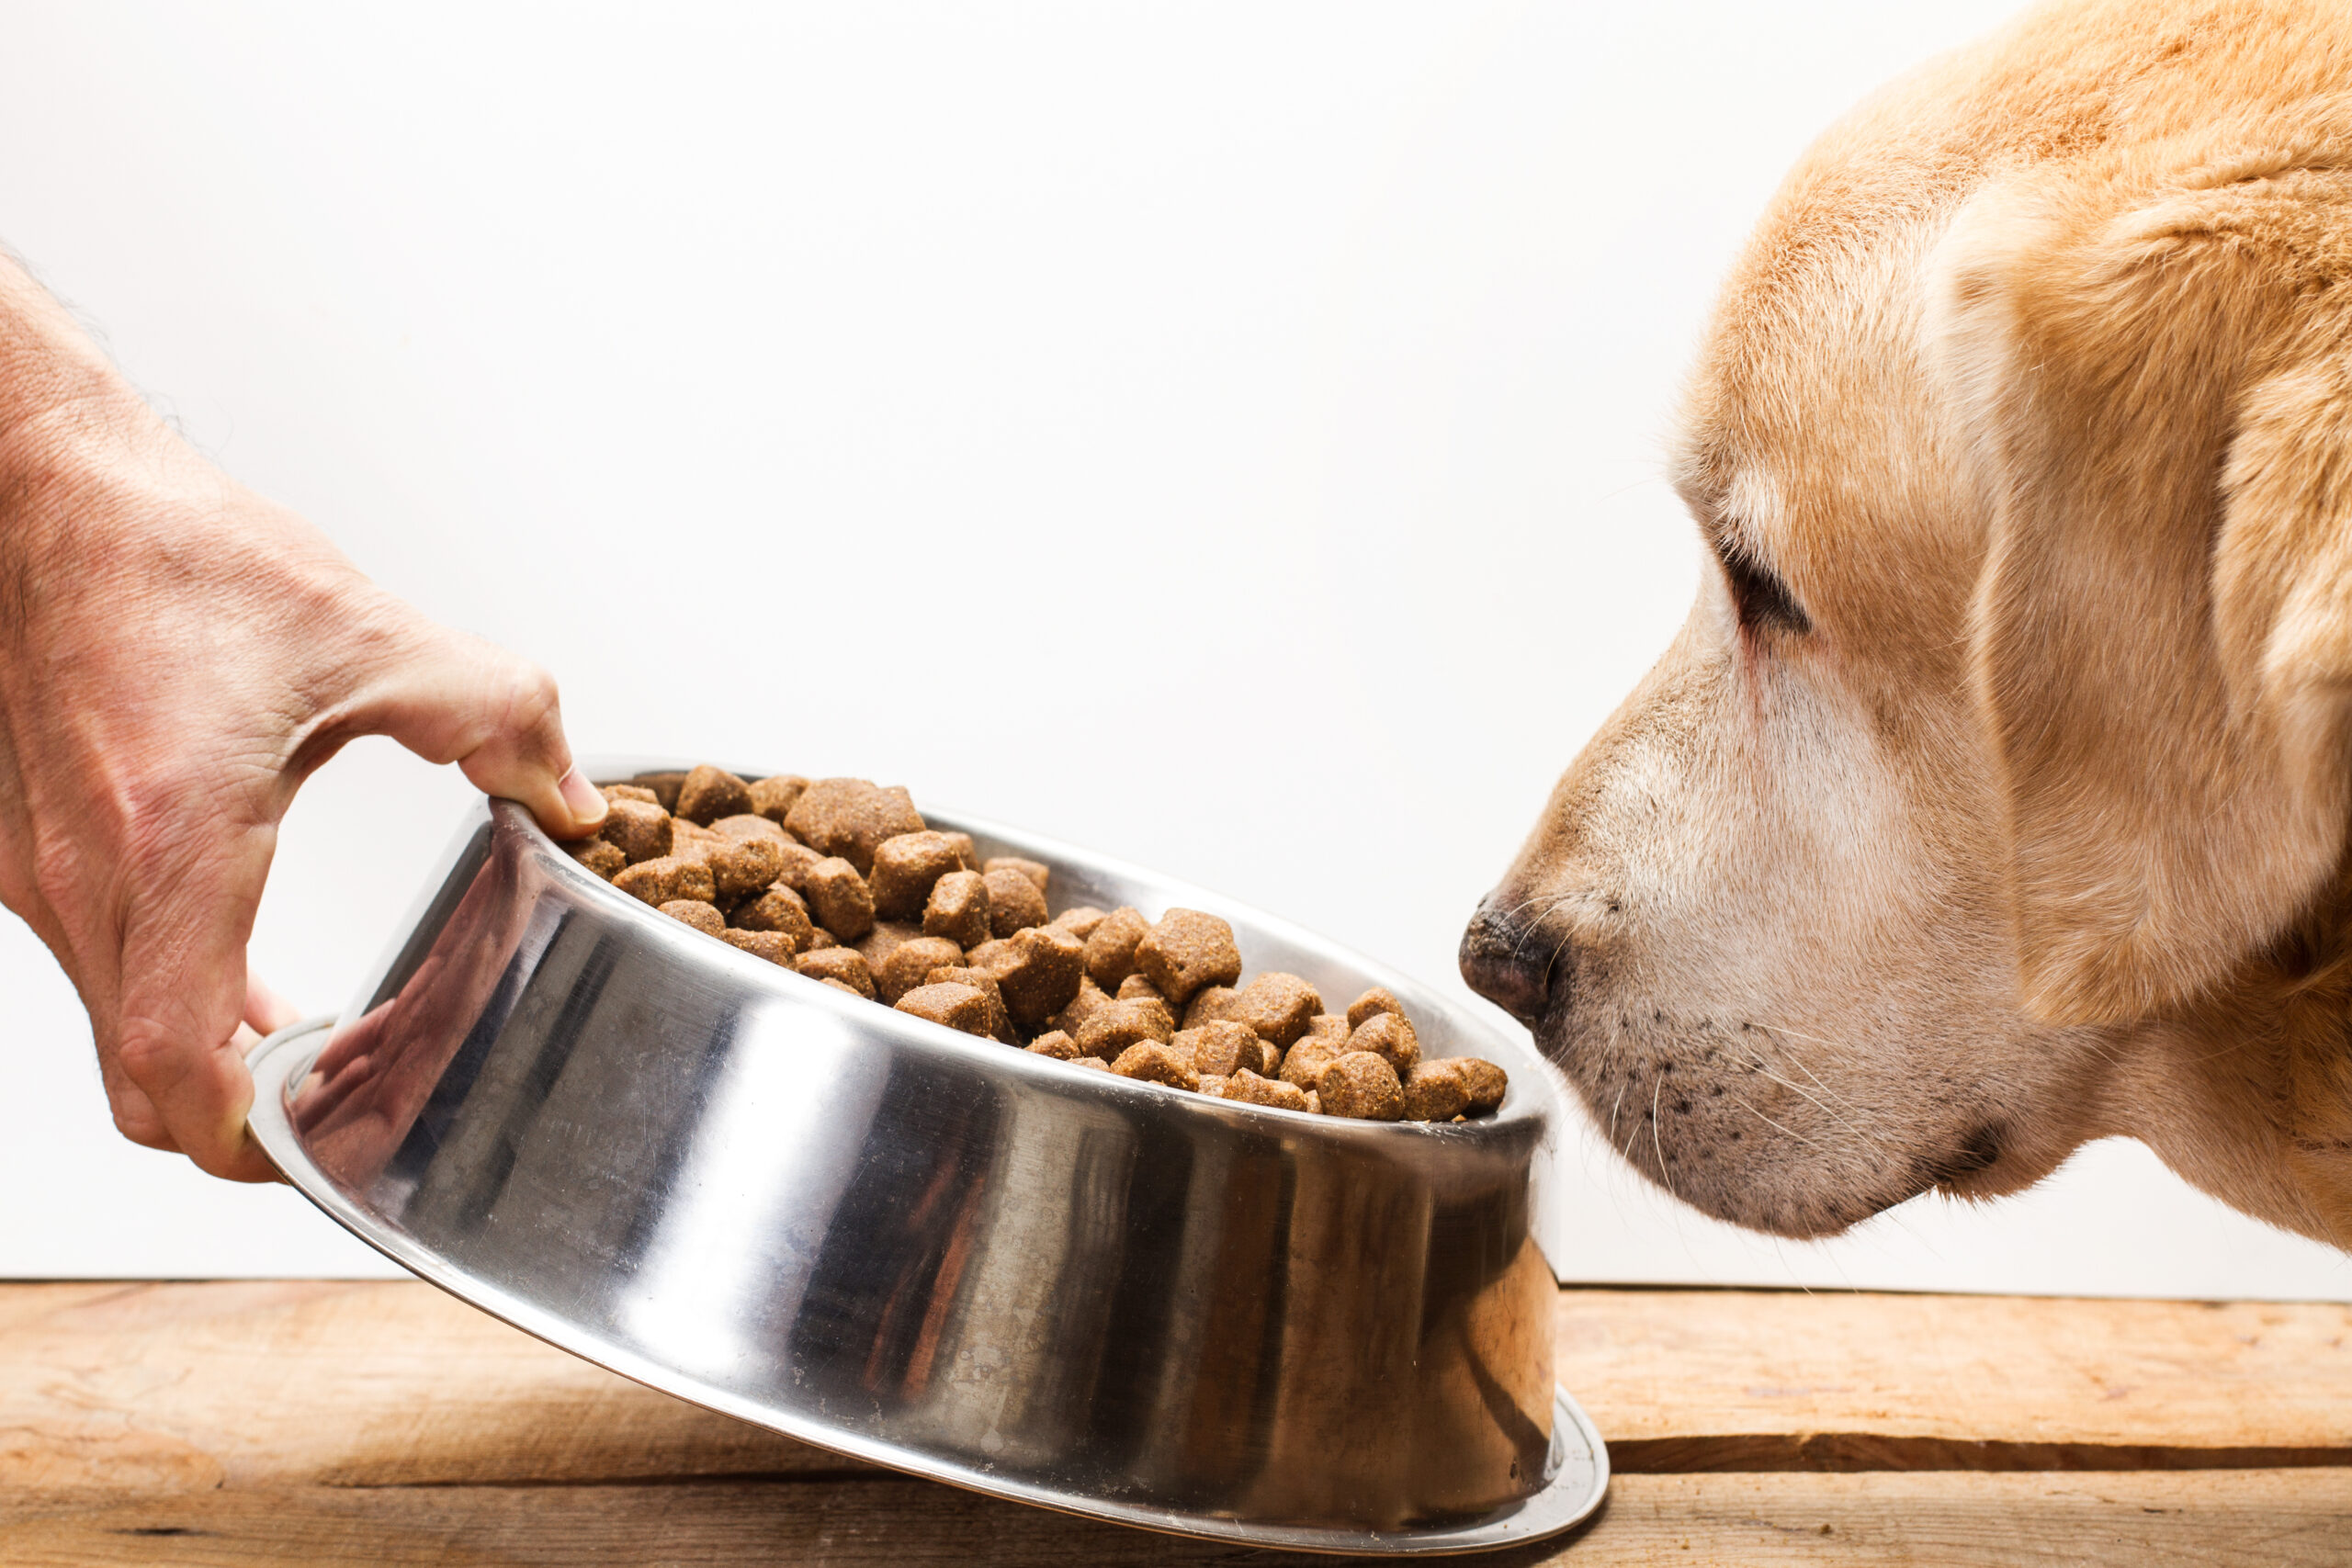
(176, 656)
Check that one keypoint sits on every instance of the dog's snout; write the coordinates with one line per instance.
(1507, 962)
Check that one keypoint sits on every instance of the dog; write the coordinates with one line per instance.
(1994, 796)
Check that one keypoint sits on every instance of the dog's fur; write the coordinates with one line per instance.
(1994, 796)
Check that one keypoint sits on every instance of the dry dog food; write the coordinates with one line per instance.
(842, 880)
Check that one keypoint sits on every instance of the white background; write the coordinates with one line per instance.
(1225, 435)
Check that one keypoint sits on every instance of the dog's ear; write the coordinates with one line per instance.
(2153, 377)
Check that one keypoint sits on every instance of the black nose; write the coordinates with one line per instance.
(1507, 962)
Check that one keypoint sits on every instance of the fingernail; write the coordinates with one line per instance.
(583, 798)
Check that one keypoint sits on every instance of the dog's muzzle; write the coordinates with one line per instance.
(1508, 964)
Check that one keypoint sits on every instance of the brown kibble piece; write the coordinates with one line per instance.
(1314, 1103)
(744, 868)
(911, 962)
(774, 946)
(629, 792)
(1114, 1026)
(1251, 1089)
(702, 917)
(601, 856)
(1111, 950)
(1277, 1006)
(1269, 1061)
(746, 825)
(852, 818)
(1222, 1047)
(844, 963)
(692, 840)
(845, 986)
(1304, 1063)
(780, 911)
(1378, 999)
(1136, 988)
(1209, 1004)
(1040, 971)
(664, 877)
(958, 909)
(798, 860)
(1328, 1026)
(1434, 1092)
(1390, 1037)
(664, 786)
(1362, 1087)
(1000, 1021)
(967, 1008)
(1090, 998)
(1096, 1063)
(1015, 903)
(819, 938)
(773, 797)
(887, 938)
(1486, 1082)
(905, 868)
(1154, 1062)
(639, 829)
(1212, 1085)
(839, 897)
(988, 955)
(710, 794)
(1057, 1044)
(1037, 871)
(1080, 922)
(1186, 950)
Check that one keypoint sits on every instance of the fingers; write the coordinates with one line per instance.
(457, 699)
(266, 1012)
(177, 1075)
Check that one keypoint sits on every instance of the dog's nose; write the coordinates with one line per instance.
(1505, 962)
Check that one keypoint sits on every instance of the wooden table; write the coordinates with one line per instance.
(334, 1423)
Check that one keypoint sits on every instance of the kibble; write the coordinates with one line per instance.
(774, 946)
(839, 899)
(1155, 1063)
(1276, 1007)
(1015, 900)
(1390, 1037)
(845, 964)
(906, 868)
(709, 793)
(1186, 950)
(702, 917)
(959, 1007)
(910, 965)
(851, 819)
(600, 855)
(842, 881)
(638, 828)
(665, 878)
(958, 909)
(1111, 949)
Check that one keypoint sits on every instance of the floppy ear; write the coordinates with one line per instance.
(2151, 371)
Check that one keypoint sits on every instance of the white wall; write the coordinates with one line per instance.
(1269, 398)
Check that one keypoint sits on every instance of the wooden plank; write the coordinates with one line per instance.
(193, 1386)
(2297, 1518)
(1662, 1367)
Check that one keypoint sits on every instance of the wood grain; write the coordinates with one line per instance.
(2296, 1518)
(384, 1423)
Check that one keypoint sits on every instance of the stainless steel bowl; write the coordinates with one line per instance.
(898, 1241)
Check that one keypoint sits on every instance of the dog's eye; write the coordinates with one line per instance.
(1757, 591)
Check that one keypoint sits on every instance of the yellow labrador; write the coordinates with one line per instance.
(1994, 796)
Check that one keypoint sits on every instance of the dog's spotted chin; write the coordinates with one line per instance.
(1720, 1115)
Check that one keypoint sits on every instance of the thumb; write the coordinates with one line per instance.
(453, 698)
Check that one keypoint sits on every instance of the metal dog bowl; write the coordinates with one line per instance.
(940, 1254)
